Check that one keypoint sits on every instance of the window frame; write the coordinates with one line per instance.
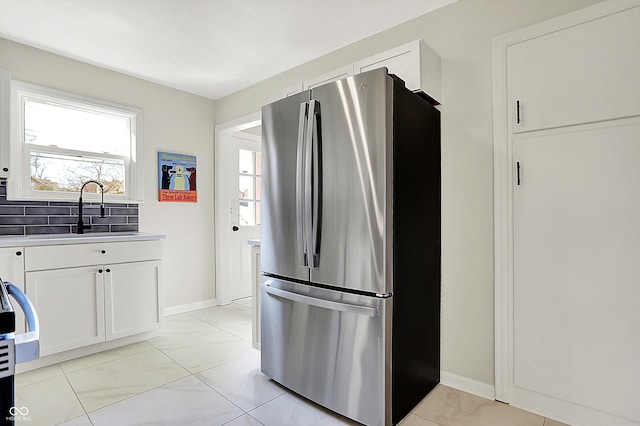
(19, 181)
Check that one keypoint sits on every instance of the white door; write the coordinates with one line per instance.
(238, 170)
(244, 212)
(576, 268)
(237, 216)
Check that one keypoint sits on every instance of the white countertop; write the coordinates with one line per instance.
(255, 243)
(59, 239)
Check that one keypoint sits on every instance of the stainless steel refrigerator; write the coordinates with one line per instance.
(350, 246)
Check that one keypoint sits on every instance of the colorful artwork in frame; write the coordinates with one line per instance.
(177, 177)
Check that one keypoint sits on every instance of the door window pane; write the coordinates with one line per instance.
(258, 163)
(246, 213)
(246, 162)
(249, 186)
(246, 187)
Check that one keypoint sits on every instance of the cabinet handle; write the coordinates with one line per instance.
(108, 270)
(18, 253)
(103, 251)
(99, 271)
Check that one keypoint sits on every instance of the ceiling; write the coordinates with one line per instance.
(207, 47)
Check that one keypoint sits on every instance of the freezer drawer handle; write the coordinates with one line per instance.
(321, 303)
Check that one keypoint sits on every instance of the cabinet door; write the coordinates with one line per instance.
(12, 269)
(292, 90)
(585, 73)
(415, 63)
(70, 306)
(132, 298)
(329, 77)
(576, 269)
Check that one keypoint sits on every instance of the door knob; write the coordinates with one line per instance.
(234, 228)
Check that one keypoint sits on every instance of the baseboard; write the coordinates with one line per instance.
(179, 309)
(59, 357)
(468, 385)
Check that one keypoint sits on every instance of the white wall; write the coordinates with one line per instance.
(461, 33)
(174, 121)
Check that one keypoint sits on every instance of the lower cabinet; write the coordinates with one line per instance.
(85, 305)
(70, 307)
(131, 298)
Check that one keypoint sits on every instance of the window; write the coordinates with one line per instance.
(249, 186)
(62, 140)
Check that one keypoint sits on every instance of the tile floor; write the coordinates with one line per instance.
(202, 370)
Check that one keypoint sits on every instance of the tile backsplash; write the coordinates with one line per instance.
(61, 217)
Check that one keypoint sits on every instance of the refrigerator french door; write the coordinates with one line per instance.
(350, 246)
(339, 139)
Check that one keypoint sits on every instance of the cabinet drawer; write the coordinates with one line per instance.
(66, 256)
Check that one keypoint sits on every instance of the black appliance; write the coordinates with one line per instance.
(14, 348)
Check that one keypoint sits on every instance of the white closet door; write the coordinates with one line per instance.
(576, 288)
(585, 73)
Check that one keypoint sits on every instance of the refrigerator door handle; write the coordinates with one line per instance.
(308, 184)
(316, 181)
(301, 185)
(322, 303)
(314, 184)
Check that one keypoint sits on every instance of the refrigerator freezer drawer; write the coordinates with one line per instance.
(328, 346)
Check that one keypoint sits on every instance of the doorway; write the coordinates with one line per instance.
(237, 210)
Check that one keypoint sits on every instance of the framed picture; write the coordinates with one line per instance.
(177, 177)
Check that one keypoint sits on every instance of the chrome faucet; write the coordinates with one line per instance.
(81, 225)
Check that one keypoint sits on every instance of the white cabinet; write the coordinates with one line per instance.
(567, 204)
(131, 295)
(91, 293)
(415, 63)
(70, 307)
(334, 75)
(292, 90)
(579, 75)
(12, 270)
(576, 249)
